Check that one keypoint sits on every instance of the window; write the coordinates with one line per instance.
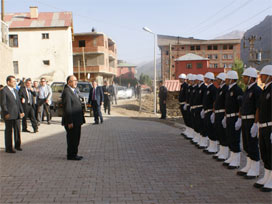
(192, 47)
(94, 42)
(230, 65)
(167, 53)
(199, 65)
(209, 47)
(45, 35)
(46, 62)
(215, 65)
(225, 47)
(173, 66)
(230, 57)
(225, 65)
(225, 56)
(215, 47)
(173, 48)
(230, 47)
(210, 56)
(167, 62)
(198, 47)
(15, 67)
(182, 48)
(13, 40)
(189, 66)
(81, 43)
(215, 56)
(211, 65)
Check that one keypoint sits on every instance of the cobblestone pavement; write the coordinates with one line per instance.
(126, 161)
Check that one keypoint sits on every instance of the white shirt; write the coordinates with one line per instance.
(267, 84)
(209, 85)
(222, 85)
(230, 86)
(250, 85)
(199, 85)
(12, 91)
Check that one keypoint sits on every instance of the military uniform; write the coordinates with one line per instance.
(182, 101)
(163, 97)
(192, 96)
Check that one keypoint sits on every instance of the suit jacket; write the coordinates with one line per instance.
(72, 109)
(23, 94)
(10, 105)
(99, 95)
(163, 93)
(107, 93)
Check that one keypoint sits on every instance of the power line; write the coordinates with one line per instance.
(222, 18)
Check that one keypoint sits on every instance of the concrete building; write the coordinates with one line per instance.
(5, 54)
(41, 44)
(94, 57)
(126, 70)
(221, 53)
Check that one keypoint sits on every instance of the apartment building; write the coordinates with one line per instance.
(221, 53)
(94, 57)
(125, 70)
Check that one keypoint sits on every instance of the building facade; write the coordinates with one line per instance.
(221, 53)
(41, 44)
(94, 57)
(125, 70)
(5, 54)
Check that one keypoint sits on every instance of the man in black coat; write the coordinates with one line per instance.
(73, 117)
(96, 99)
(27, 94)
(12, 111)
(107, 97)
(162, 97)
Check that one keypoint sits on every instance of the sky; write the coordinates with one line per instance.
(123, 20)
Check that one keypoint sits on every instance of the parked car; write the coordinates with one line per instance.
(57, 88)
(124, 92)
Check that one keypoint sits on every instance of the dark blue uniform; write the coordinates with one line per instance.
(248, 110)
(208, 101)
(265, 116)
(232, 106)
(182, 101)
(192, 96)
(219, 110)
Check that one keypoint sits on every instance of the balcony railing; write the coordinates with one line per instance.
(4, 32)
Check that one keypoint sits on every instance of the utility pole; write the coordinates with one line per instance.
(255, 56)
(2, 10)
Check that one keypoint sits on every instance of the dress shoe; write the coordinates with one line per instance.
(220, 159)
(96, 123)
(257, 185)
(214, 156)
(36, 130)
(48, 123)
(241, 173)
(75, 158)
(10, 151)
(80, 157)
(38, 124)
(250, 177)
(264, 189)
(19, 149)
(101, 121)
(25, 130)
(233, 167)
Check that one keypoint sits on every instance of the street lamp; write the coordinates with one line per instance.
(155, 76)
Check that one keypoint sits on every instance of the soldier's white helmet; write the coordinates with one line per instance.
(193, 77)
(200, 77)
(189, 77)
(182, 76)
(222, 76)
(251, 72)
(232, 75)
(209, 75)
(266, 70)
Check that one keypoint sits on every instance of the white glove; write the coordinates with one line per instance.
(202, 114)
(224, 122)
(254, 130)
(212, 118)
(238, 124)
(185, 107)
(271, 137)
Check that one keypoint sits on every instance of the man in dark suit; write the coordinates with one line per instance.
(27, 94)
(96, 99)
(12, 111)
(107, 97)
(162, 97)
(72, 118)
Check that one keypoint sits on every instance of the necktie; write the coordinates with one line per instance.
(75, 92)
(93, 98)
(29, 97)
(13, 92)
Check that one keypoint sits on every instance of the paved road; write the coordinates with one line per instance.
(126, 161)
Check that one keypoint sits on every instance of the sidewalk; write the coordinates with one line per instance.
(126, 161)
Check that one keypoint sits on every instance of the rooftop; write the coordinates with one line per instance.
(190, 57)
(125, 64)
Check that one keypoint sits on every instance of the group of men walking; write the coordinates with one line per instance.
(31, 101)
(215, 118)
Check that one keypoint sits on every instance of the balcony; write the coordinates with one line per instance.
(4, 32)
(89, 50)
(96, 69)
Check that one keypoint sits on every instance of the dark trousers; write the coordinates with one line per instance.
(114, 97)
(220, 131)
(188, 115)
(43, 108)
(163, 109)
(209, 126)
(15, 125)
(200, 127)
(184, 115)
(233, 135)
(29, 113)
(250, 145)
(107, 105)
(193, 120)
(73, 139)
(97, 112)
(266, 146)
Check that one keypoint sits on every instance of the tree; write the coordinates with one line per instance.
(239, 68)
(145, 79)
